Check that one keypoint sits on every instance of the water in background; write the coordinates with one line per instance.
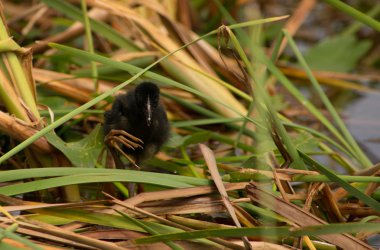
(363, 120)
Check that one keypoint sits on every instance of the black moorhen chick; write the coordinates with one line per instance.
(137, 125)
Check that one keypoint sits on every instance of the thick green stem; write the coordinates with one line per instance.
(19, 75)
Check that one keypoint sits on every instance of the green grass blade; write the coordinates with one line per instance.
(137, 177)
(350, 142)
(20, 174)
(353, 28)
(268, 231)
(355, 14)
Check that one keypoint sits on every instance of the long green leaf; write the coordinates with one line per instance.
(86, 178)
(68, 176)
(20, 174)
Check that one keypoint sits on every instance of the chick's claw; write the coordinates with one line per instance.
(124, 138)
(116, 138)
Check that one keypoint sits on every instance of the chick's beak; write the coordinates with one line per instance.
(149, 112)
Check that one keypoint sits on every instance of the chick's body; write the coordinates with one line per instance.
(140, 113)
